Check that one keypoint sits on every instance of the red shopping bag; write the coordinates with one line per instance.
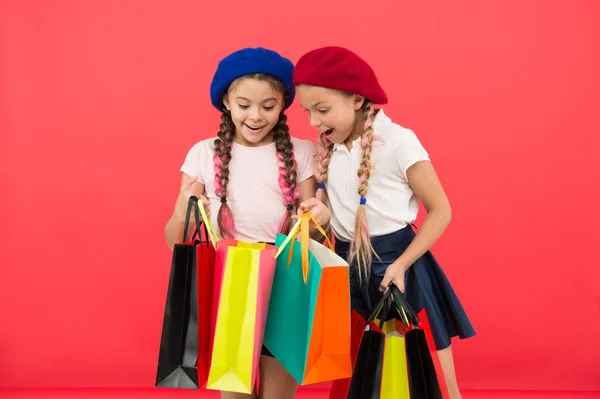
(339, 388)
(434, 356)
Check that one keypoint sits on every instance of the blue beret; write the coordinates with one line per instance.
(247, 61)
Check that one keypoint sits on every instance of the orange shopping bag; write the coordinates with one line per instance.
(308, 324)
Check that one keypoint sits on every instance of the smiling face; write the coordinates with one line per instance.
(255, 103)
(331, 112)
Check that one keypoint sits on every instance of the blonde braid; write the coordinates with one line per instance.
(323, 158)
(360, 247)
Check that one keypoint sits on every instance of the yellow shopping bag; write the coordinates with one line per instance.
(242, 283)
(243, 301)
(394, 378)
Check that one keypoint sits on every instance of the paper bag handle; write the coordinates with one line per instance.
(302, 227)
(403, 306)
(407, 314)
(193, 204)
(209, 228)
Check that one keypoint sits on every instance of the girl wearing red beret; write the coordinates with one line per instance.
(372, 169)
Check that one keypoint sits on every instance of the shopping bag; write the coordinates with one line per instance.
(394, 359)
(366, 377)
(368, 368)
(184, 346)
(339, 387)
(424, 325)
(394, 376)
(308, 324)
(424, 381)
(242, 289)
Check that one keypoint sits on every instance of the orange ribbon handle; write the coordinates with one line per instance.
(302, 228)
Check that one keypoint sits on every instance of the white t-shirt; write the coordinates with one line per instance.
(253, 193)
(391, 203)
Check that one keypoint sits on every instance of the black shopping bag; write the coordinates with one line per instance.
(365, 382)
(422, 378)
(179, 363)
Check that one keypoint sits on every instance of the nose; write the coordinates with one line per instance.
(255, 114)
(314, 121)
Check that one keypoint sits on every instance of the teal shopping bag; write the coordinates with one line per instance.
(308, 323)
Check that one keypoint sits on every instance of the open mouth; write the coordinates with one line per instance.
(328, 133)
(254, 128)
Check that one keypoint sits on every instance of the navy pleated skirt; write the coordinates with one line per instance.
(426, 287)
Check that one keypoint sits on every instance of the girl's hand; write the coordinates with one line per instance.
(317, 208)
(394, 274)
(187, 190)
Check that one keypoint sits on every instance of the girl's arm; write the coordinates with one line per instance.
(175, 225)
(425, 183)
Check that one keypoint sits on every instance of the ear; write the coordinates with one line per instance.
(358, 101)
(226, 102)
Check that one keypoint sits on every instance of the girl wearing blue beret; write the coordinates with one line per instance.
(253, 173)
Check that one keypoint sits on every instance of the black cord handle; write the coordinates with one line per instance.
(401, 302)
(193, 204)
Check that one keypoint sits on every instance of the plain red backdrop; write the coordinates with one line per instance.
(100, 101)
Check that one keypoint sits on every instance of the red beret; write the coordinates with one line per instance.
(339, 68)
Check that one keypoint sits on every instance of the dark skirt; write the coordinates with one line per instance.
(426, 287)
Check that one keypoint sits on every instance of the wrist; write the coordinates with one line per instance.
(402, 264)
(180, 210)
(325, 219)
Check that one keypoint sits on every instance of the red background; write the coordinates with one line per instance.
(100, 101)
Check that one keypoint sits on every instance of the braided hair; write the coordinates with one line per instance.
(285, 160)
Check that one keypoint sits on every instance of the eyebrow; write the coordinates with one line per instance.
(314, 105)
(264, 101)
